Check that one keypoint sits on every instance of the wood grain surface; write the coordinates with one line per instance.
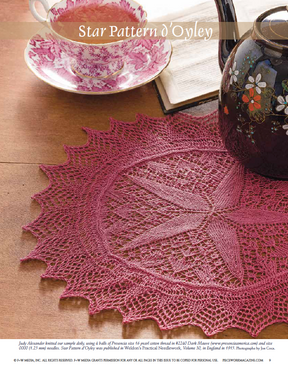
(35, 121)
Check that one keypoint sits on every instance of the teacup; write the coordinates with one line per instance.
(92, 59)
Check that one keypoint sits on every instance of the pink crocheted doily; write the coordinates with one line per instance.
(155, 219)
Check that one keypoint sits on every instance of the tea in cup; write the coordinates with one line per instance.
(91, 58)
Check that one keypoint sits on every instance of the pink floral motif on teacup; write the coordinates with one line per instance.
(99, 60)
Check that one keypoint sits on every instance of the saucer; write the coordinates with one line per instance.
(46, 60)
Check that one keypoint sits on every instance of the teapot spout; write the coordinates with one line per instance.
(228, 29)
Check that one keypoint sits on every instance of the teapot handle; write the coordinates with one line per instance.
(34, 11)
(227, 27)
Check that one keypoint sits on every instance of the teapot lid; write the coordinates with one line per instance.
(272, 26)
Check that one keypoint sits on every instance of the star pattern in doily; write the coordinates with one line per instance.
(155, 219)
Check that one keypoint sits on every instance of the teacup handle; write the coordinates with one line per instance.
(34, 11)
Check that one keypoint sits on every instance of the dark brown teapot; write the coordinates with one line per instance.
(253, 99)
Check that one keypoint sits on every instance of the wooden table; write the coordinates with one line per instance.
(36, 120)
